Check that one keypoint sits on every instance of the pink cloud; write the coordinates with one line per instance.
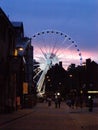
(67, 56)
(90, 54)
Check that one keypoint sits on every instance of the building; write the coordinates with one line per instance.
(7, 45)
(16, 64)
(24, 51)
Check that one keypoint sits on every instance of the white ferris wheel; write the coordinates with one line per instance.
(51, 47)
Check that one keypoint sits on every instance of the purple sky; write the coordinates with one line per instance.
(77, 18)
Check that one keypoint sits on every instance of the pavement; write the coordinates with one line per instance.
(9, 117)
(80, 117)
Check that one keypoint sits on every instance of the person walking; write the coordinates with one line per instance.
(59, 102)
(49, 101)
(56, 101)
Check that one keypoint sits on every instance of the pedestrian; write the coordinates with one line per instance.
(90, 103)
(81, 103)
(49, 101)
(77, 102)
(56, 101)
(59, 102)
(72, 103)
(68, 102)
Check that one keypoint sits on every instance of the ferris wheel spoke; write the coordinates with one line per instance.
(54, 42)
(37, 74)
(35, 65)
(36, 69)
(49, 41)
(40, 59)
(54, 46)
(43, 52)
(41, 42)
(44, 41)
(65, 49)
(66, 43)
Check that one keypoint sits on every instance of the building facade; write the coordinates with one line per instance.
(16, 64)
(7, 45)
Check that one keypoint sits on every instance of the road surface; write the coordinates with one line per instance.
(43, 117)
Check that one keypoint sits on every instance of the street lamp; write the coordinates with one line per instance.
(58, 94)
(20, 49)
(17, 50)
(70, 75)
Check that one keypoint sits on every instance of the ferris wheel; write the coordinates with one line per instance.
(51, 47)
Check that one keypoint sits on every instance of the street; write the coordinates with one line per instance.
(44, 117)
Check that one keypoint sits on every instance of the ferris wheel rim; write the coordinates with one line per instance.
(47, 31)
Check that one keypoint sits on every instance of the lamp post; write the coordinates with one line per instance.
(71, 80)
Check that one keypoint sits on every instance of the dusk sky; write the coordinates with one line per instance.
(77, 18)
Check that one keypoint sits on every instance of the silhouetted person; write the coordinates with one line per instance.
(72, 103)
(49, 101)
(90, 104)
(56, 102)
(59, 102)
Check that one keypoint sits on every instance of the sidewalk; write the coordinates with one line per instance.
(77, 116)
(6, 118)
